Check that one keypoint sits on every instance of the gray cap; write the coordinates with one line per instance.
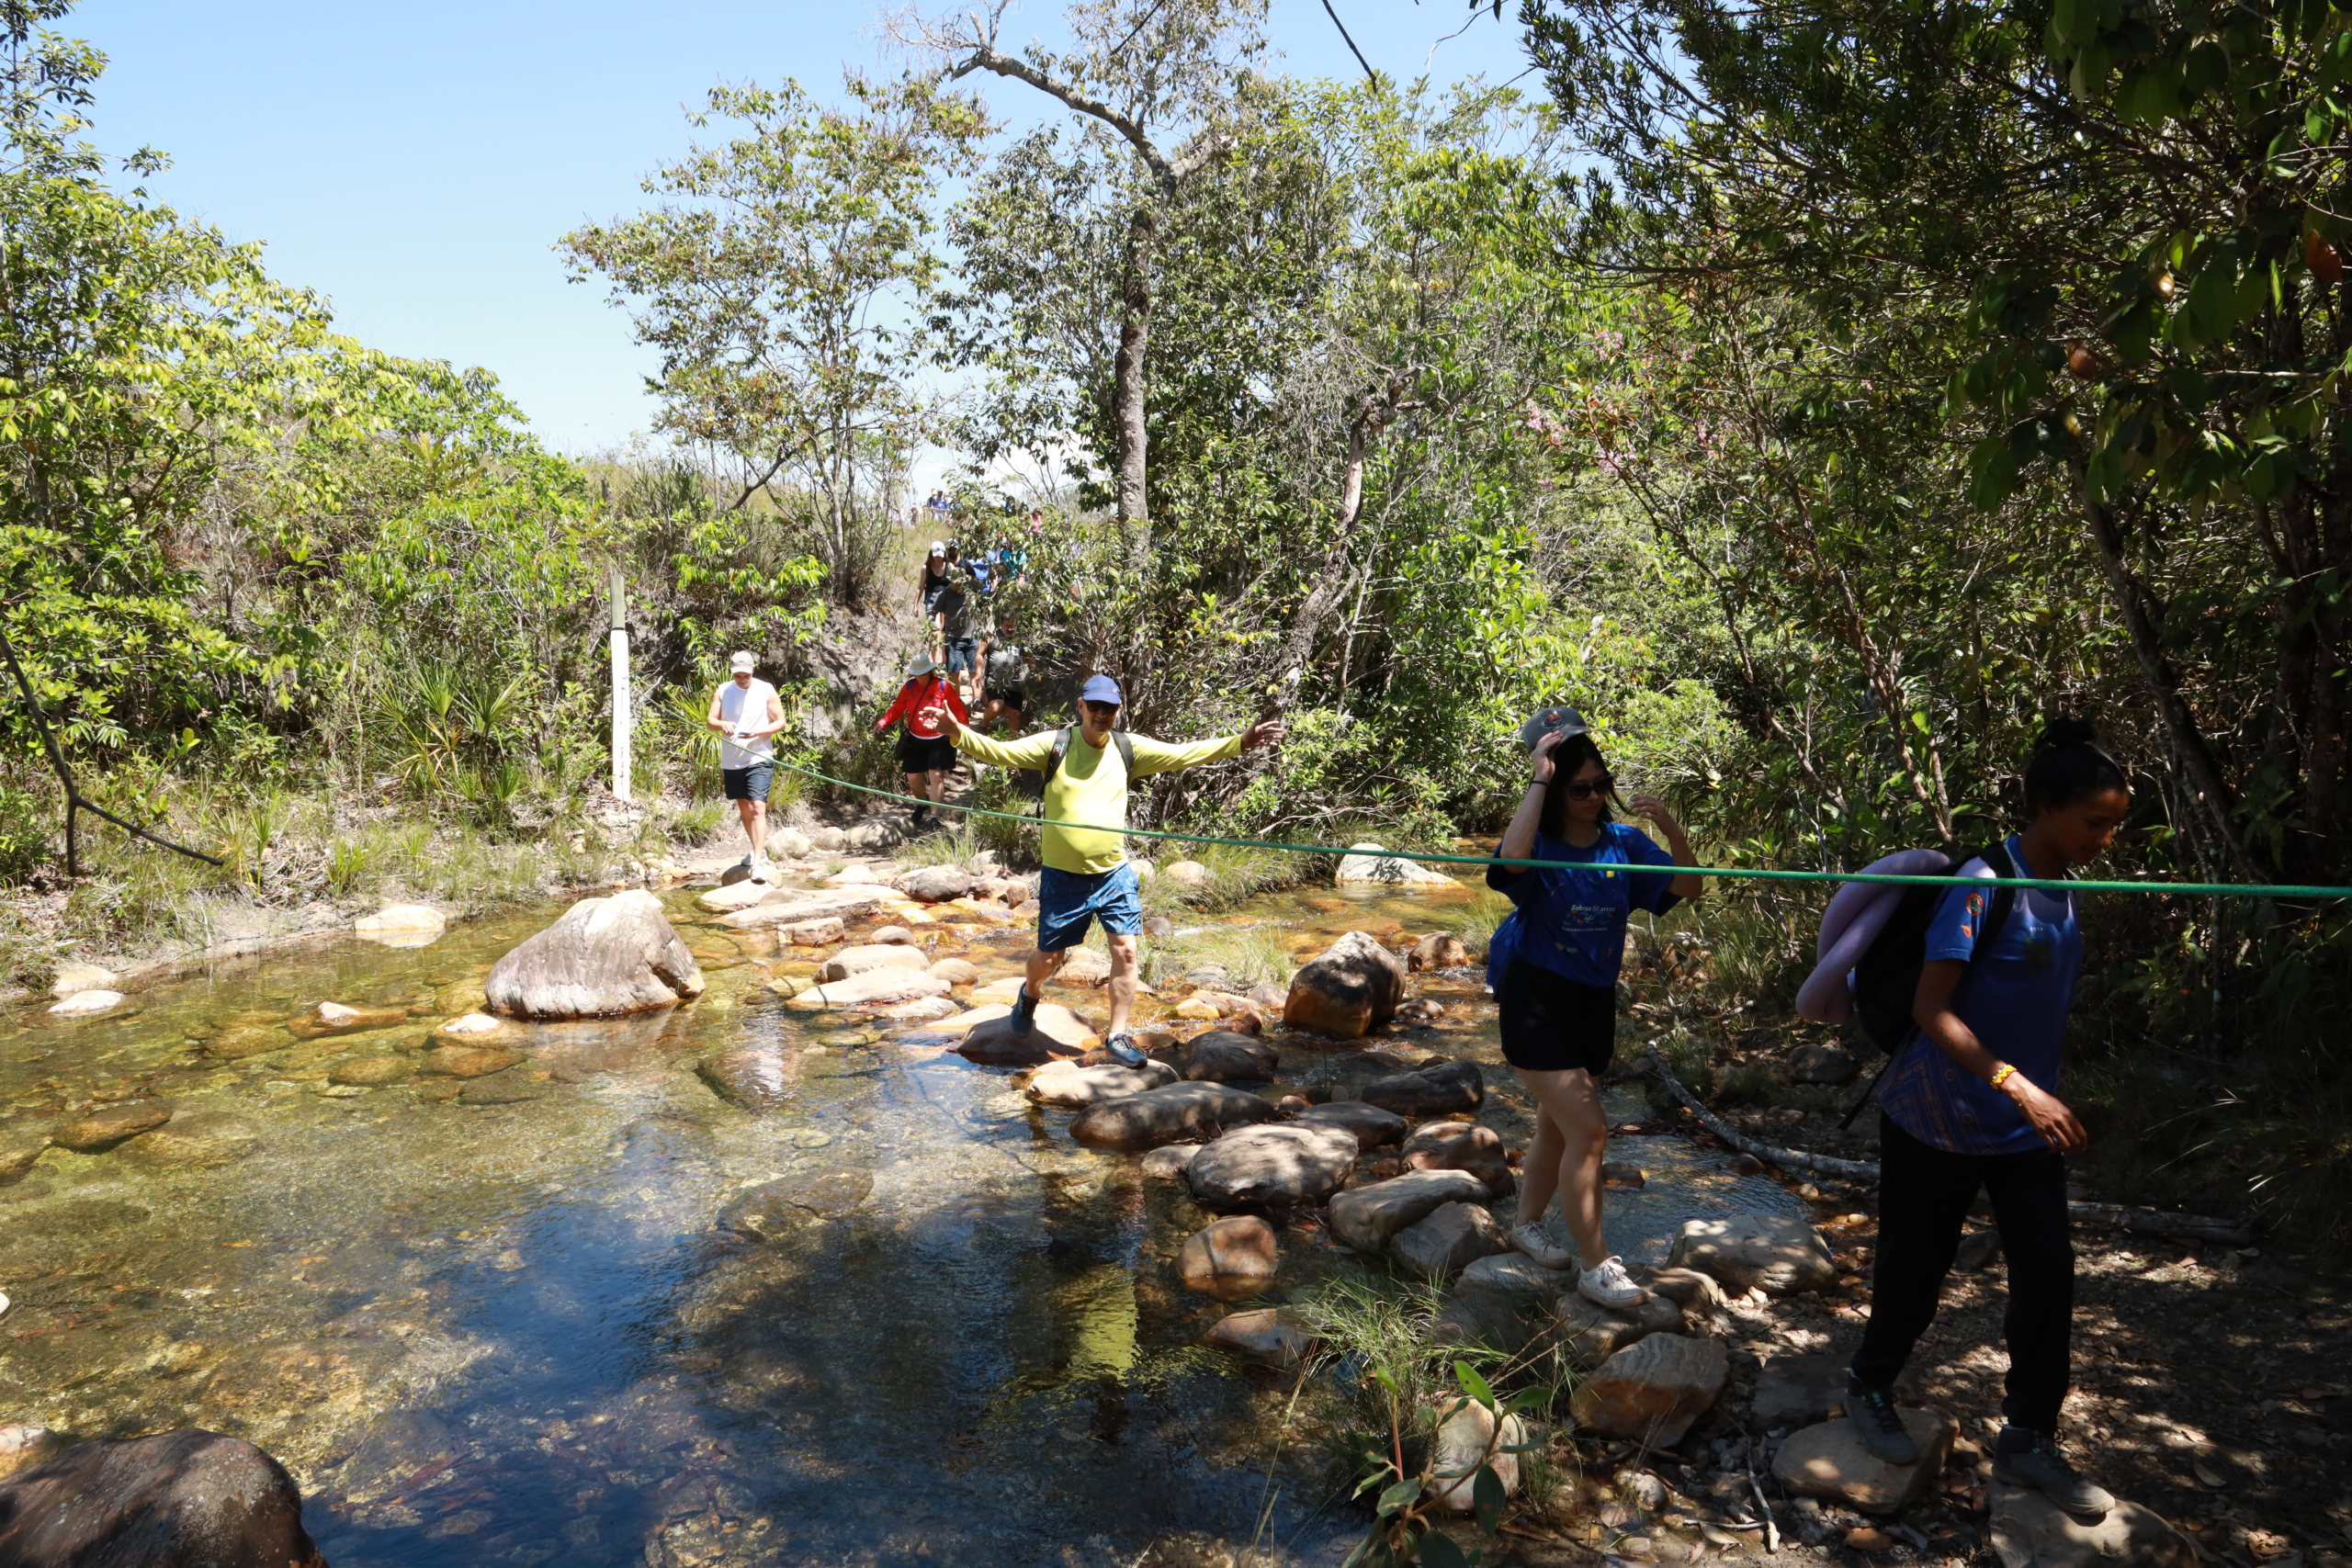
(1563, 718)
(742, 663)
(920, 665)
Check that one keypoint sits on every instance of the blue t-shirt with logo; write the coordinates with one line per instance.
(1572, 922)
(2014, 997)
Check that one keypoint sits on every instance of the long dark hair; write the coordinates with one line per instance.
(2068, 766)
(1567, 762)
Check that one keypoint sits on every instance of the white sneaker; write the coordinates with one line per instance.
(1536, 1242)
(759, 870)
(1607, 1284)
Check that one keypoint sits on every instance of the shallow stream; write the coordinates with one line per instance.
(493, 1321)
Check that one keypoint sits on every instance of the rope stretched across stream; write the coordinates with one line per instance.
(1751, 874)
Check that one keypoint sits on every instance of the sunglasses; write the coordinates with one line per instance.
(1580, 789)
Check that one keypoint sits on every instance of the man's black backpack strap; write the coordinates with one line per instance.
(1887, 979)
(1119, 738)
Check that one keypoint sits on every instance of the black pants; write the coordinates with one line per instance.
(1924, 1194)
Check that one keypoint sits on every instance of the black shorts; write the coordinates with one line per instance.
(1012, 696)
(747, 784)
(1550, 1024)
(917, 755)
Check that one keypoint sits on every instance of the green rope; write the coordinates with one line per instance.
(2199, 889)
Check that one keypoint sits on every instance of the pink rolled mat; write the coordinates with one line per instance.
(1850, 925)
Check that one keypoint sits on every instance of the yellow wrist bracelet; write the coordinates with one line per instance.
(2001, 1074)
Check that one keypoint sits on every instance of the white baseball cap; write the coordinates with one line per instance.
(938, 547)
(742, 663)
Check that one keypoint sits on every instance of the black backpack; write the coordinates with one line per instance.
(1886, 980)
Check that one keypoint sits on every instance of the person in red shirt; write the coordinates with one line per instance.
(924, 751)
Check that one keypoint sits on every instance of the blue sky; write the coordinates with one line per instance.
(417, 164)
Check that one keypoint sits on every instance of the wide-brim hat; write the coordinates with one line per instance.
(922, 664)
(1561, 720)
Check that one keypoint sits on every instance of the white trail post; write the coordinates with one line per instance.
(620, 687)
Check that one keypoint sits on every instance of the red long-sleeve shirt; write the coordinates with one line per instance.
(918, 694)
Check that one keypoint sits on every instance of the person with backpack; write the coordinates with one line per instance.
(1086, 876)
(1553, 964)
(924, 753)
(1007, 673)
(1969, 1103)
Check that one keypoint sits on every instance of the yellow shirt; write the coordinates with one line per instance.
(1090, 786)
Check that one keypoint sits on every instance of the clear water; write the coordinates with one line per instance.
(512, 1333)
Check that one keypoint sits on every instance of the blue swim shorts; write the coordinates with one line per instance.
(1068, 902)
(747, 784)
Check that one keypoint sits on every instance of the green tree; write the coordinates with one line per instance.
(786, 282)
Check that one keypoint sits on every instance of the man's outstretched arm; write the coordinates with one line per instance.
(1166, 757)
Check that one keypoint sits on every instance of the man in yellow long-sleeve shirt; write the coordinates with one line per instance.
(1086, 876)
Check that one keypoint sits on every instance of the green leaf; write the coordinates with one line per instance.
(1437, 1551)
(1489, 1499)
(1400, 1496)
(1473, 1384)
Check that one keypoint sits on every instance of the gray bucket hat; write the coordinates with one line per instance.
(1563, 718)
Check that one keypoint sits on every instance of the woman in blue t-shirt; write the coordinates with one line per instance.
(1552, 964)
(1970, 1103)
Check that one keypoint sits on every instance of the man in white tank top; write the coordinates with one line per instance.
(748, 712)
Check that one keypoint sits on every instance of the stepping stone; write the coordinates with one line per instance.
(1778, 1253)
(1828, 1461)
(1652, 1391)
(1365, 1217)
(2031, 1532)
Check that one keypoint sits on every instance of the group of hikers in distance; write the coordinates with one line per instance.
(1969, 1100)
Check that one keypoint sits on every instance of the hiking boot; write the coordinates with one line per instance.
(1879, 1423)
(1606, 1283)
(1121, 1048)
(1024, 1010)
(2025, 1458)
(1535, 1243)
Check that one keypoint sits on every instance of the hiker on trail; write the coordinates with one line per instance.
(1553, 964)
(938, 576)
(1008, 673)
(926, 755)
(954, 632)
(1970, 1103)
(1086, 876)
(747, 711)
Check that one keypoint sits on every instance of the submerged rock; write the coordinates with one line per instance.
(1066, 1083)
(195, 1138)
(248, 1040)
(1180, 1113)
(1365, 1217)
(1652, 1391)
(784, 1207)
(1352, 988)
(21, 1142)
(1232, 1258)
(1221, 1055)
(333, 1018)
(1778, 1253)
(82, 1004)
(1261, 1334)
(1168, 1162)
(184, 1499)
(102, 1129)
(1438, 1090)
(603, 958)
(466, 1061)
(371, 1072)
(755, 1076)
(500, 1091)
(1830, 1462)
(1271, 1168)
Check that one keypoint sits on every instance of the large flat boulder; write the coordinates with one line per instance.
(1261, 1334)
(774, 1209)
(784, 906)
(100, 1130)
(1365, 1217)
(990, 1039)
(1461, 1145)
(1438, 1090)
(1797, 1390)
(1271, 1169)
(603, 957)
(1066, 1083)
(1222, 1055)
(1371, 1124)
(757, 1076)
(1448, 1240)
(1591, 1333)
(1350, 989)
(1230, 1258)
(1371, 865)
(183, 1499)
(1182, 1113)
(890, 985)
(857, 959)
(2031, 1532)
(1779, 1253)
(196, 1138)
(1830, 1462)
(1652, 1391)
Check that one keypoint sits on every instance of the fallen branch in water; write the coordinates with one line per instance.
(2115, 1216)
